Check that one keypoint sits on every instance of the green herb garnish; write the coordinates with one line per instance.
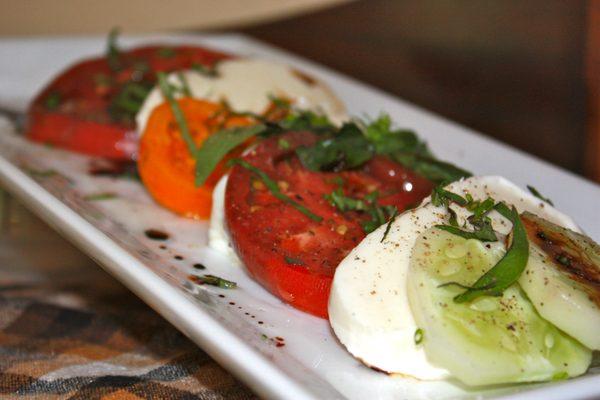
(40, 173)
(293, 261)
(508, 270)
(419, 336)
(537, 194)
(283, 144)
(217, 145)
(166, 52)
(215, 281)
(129, 100)
(442, 197)
(389, 225)
(484, 232)
(204, 70)
(100, 196)
(113, 54)
(346, 150)
(378, 214)
(274, 188)
(52, 101)
(185, 87)
(167, 92)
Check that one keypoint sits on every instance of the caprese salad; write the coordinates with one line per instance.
(421, 268)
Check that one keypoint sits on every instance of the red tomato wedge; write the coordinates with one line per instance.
(88, 107)
(291, 255)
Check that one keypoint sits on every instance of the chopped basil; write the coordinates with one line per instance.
(167, 92)
(204, 70)
(216, 147)
(100, 196)
(389, 225)
(293, 261)
(479, 209)
(274, 188)
(113, 54)
(166, 52)
(283, 144)
(484, 232)
(128, 101)
(419, 336)
(346, 150)
(40, 173)
(442, 197)
(215, 281)
(508, 270)
(537, 194)
(378, 214)
(185, 87)
(52, 101)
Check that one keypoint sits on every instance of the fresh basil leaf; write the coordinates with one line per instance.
(166, 52)
(204, 70)
(52, 101)
(479, 209)
(100, 196)
(508, 270)
(301, 120)
(216, 147)
(128, 101)
(387, 141)
(167, 92)
(113, 54)
(442, 197)
(346, 150)
(293, 261)
(484, 232)
(435, 170)
(537, 194)
(214, 281)
(389, 225)
(274, 188)
(185, 87)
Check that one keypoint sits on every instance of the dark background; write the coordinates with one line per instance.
(513, 70)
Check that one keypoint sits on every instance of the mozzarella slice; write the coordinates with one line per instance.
(368, 305)
(247, 85)
(218, 235)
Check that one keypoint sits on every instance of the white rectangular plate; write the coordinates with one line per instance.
(241, 328)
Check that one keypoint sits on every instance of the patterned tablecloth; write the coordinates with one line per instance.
(69, 330)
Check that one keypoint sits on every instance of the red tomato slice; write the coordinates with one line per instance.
(291, 255)
(74, 110)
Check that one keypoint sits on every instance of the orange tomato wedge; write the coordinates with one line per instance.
(165, 163)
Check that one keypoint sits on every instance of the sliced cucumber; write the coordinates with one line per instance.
(562, 279)
(490, 340)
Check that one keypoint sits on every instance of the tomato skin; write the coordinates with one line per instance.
(291, 255)
(83, 123)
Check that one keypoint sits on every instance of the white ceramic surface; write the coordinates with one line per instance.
(242, 335)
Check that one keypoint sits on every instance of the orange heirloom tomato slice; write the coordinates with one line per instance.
(165, 164)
